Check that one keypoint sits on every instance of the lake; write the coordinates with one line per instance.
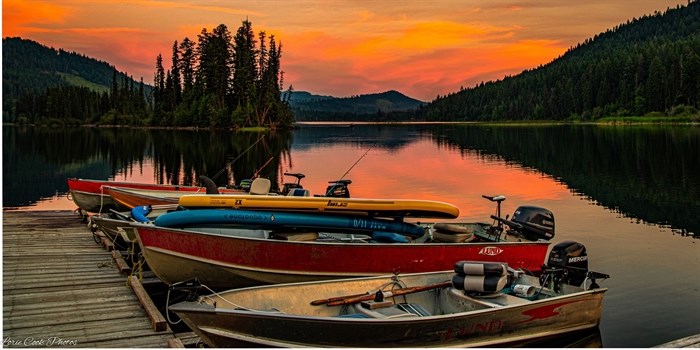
(630, 194)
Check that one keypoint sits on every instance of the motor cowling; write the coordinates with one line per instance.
(537, 223)
(245, 184)
(286, 187)
(567, 263)
(338, 189)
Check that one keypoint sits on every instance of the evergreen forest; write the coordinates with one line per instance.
(221, 80)
(646, 67)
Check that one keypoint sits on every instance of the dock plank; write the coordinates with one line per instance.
(59, 285)
(692, 341)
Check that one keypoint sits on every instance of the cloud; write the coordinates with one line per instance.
(20, 18)
(338, 47)
(424, 59)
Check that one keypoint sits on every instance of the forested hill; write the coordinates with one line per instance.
(647, 66)
(369, 107)
(30, 67)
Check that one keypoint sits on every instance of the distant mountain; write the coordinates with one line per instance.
(308, 107)
(30, 67)
(644, 66)
(299, 97)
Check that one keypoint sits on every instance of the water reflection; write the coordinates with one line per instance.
(37, 161)
(588, 338)
(647, 173)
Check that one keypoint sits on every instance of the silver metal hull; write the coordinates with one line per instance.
(282, 316)
(91, 202)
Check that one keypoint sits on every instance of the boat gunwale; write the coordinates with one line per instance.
(201, 306)
(365, 244)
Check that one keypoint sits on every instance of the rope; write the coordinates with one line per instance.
(167, 310)
(137, 266)
(232, 303)
(102, 197)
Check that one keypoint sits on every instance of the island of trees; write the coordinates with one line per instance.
(221, 81)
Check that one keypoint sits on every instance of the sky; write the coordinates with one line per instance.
(422, 48)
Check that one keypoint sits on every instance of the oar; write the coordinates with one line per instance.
(352, 299)
(330, 300)
(120, 215)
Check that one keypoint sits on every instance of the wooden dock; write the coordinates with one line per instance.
(692, 341)
(62, 289)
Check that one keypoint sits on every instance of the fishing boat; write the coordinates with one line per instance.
(128, 198)
(90, 195)
(475, 304)
(244, 248)
(115, 225)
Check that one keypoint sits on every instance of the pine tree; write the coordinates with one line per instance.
(158, 91)
(187, 63)
(244, 68)
(175, 72)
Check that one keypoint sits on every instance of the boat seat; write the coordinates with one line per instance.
(480, 277)
(295, 236)
(260, 186)
(299, 192)
(451, 233)
(479, 284)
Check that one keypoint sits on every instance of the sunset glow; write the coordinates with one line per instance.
(339, 48)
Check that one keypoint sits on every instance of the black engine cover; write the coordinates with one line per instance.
(538, 223)
(571, 259)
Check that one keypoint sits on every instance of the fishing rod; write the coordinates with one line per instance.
(235, 159)
(343, 183)
(262, 167)
(358, 160)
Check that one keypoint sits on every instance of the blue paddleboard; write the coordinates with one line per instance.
(271, 219)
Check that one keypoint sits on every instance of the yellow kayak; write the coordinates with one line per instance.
(354, 206)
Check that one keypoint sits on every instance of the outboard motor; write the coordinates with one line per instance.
(533, 222)
(209, 185)
(245, 184)
(567, 264)
(288, 186)
(338, 189)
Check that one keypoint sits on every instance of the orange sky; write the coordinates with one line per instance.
(337, 47)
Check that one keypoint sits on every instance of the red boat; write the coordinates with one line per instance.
(229, 256)
(221, 260)
(90, 195)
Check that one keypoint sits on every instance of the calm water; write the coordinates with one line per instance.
(630, 194)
